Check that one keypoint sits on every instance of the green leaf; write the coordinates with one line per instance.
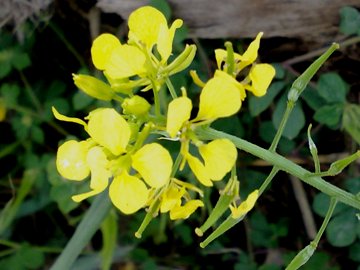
(21, 60)
(30, 257)
(5, 69)
(341, 231)
(230, 125)
(349, 21)
(295, 122)
(354, 252)
(109, 232)
(258, 105)
(61, 104)
(321, 204)
(81, 100)
(10, 93)
(37, 134)
(320, 260)
(55, 89)
(351, 121)
(312, 98)
(329, 115)
(62, 193)
(267, 131)
(279, 71)
(332, 88)
(353, 185)
(8, 213)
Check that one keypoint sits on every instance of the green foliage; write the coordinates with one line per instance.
(349, 21)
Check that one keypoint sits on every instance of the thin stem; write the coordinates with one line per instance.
(289, 107)
(171, 88)
(285, 165)
(30, 92)
(329, 213)
(156, 102)
(176, 165)
(84, 231)
(67, 44)
(268, 179)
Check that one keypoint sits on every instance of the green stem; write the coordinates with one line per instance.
(297, 88)
(30, 92)
(329, 213)
(156, 102)
(67, 44)
(171, 88)
(289, 107)
(268, 179)
(284, 165)
(84, 231)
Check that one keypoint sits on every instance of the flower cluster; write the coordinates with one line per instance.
(122, 152)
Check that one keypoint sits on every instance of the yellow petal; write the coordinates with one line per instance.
(154, 163)
(125, 61)
(219, 98)
(245, 206)
(178, 113)
(221, 55)
(170, 198)
(261, 76)
(165, 39)
(97, 162)
(199, 170)
(251, 53)
(62, 117)
(109, 129)
(128, 193)
(219, 157)
(102, 48)
(224, 76)
(144, 24)
(184, 211)
(71, 160)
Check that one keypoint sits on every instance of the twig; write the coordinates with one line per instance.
(304, 206)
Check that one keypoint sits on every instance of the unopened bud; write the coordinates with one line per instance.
(93, 87)
(136, 105)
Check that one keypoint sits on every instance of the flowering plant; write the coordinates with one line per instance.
(124, 156)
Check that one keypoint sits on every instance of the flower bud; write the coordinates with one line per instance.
(93, 87)
(135, 105)
(182, 61)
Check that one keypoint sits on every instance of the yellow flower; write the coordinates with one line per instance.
(219, 98)
(76, 160)
(171, 201)
(148, 26)
(153, 163)
(109, 131)
(260, 75)
(105, 126)
(245, 206)
(184, 211)
(219, 157)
